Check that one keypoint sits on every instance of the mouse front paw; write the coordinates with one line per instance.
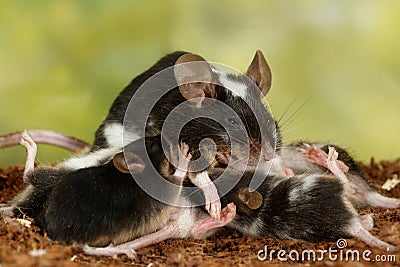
(184, 160)
(214, 208)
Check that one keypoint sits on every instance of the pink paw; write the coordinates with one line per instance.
(27, 141)
(213, 206)
(317, 156)
(110, 251)
(184, 157)
(288, 173)
(227, 215)
(184, 160)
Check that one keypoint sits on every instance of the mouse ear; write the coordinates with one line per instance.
(253, 200)
(195, 78)
(260, 73)
(128, 162)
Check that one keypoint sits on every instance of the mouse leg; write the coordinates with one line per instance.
(333, 165)
(179, 227)
(129, 248)
(6, 212)
(183, 163)
(212, 200)
(375, 199)
(31, 150)
(319, 157)
(371, 198)
(227, 215)
(356, 229)
(367, 221)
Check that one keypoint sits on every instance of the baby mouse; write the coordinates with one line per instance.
(296, 208)
(242, 93)
(104, 206)
(303, 158)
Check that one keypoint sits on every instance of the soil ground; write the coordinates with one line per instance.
(21, 246)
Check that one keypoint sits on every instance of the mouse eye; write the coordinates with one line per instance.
(234, 121)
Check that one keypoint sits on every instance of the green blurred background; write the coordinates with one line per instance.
(63, 62)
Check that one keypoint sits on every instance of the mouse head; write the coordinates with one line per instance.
(244, 93)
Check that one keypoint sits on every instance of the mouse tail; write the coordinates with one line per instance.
(46, 137)
(374, 199)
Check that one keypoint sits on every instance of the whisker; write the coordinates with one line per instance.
(296, 113)
(287, 109)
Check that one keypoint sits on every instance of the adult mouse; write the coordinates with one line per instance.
(242, 93)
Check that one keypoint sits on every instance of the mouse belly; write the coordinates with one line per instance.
(125, 234)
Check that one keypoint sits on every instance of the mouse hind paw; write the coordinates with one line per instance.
(109, 251)
(6, 211)
(31, 151)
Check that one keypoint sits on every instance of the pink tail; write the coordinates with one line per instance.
(46, 137)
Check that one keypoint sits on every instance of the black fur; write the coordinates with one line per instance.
(120, 104)
(95, 205)
(97, 202)
(318, 213)
(201, 127)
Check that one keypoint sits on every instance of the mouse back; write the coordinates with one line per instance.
(103, 204)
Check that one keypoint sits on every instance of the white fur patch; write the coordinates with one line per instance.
(114, 133)
(237, 87)
(89, 160)
(298, 192)
(308, 183)
(294, 194)
(201, 179)
(186, 219)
